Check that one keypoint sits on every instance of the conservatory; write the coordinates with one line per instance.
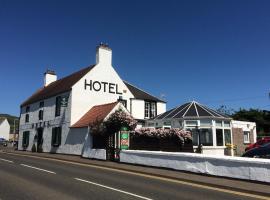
(209, 128)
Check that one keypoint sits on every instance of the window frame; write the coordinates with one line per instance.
(58, 106)
(56, 136)
(248, 136)
(25, 139)
(40, 115)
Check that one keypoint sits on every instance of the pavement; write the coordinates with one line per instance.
(256, 188)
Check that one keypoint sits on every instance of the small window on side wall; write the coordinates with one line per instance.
(40, 115)
(246, 137)
(26, 118)
(56, 136)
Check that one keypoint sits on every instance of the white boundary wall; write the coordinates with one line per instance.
(233, 167)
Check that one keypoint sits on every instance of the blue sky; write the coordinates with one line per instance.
(214, 52)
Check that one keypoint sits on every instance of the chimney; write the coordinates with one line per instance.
(104, 54)
(49, 77)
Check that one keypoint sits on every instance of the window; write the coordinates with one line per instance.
(146, 110)
(58, 106)
(40, 115)
(27, 109)
(26, 118)
(227, 136)
(219, 123)
(56, 136)
(41, 104)
(25, 140)
(226, 124)
(205, 122)
(206, 137)
(219, 137)
(195, 136)
(123, 101)
(150, 109)
(153, 110)
(246, 137)
(191, 123)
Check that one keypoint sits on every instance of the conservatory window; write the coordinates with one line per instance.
(219, 123)
(191, 122)
(226, 124)
(206, 137)
(227, 136)
(219, 137)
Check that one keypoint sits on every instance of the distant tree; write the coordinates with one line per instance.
(225, 110)
(261, 117)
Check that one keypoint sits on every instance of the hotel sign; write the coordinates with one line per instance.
(101, 86)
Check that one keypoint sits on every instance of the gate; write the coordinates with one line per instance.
(110, 147)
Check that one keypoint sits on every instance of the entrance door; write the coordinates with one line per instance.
(39, 139)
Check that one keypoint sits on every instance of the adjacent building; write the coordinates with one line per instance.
(215, 131)
(4, 128)
(50, 117)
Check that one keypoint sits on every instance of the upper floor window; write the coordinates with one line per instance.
(58, 106)
(27, 110)
(40, 115)
(26, 118)
(150, 109)
(41, 104)
(123, 101)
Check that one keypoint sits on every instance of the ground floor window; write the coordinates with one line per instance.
(206, 137)
(246, 137)
(219, 137)
(99, 142)
(227, 135)
(25, 140)
(56, 136)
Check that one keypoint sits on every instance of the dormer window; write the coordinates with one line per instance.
(150, 109)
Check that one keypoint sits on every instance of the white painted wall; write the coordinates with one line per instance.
(4, 129)
(137, 110)
(161, 108)
(226, 166)
(83, 100)
(49, 121)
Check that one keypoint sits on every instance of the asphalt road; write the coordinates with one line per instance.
(32, 178)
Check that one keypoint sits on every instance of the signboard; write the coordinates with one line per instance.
(64, 101)
(124, 138)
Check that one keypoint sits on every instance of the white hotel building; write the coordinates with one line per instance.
(56, 117)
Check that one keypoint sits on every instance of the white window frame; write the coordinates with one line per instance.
(248, 137)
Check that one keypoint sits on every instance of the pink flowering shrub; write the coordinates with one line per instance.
(114, 123)
(162, 133)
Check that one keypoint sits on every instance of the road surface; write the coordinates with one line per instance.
(23, 177)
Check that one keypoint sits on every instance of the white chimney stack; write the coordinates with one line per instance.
(49, 77)
(104, 54)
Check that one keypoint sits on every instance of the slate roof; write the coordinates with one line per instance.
(140, 94)
(96, 113)
(57, 87)
(191, 110)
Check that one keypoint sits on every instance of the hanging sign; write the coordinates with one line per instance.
(124, 138)
(64, 101)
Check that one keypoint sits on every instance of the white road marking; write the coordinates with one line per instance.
(44, 170)
(114, 189)
(10, 161)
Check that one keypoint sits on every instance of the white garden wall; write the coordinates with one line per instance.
(233, 167)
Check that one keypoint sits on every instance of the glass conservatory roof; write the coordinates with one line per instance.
(191, 110)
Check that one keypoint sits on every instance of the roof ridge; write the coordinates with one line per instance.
(143, 91)
(106, 104)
